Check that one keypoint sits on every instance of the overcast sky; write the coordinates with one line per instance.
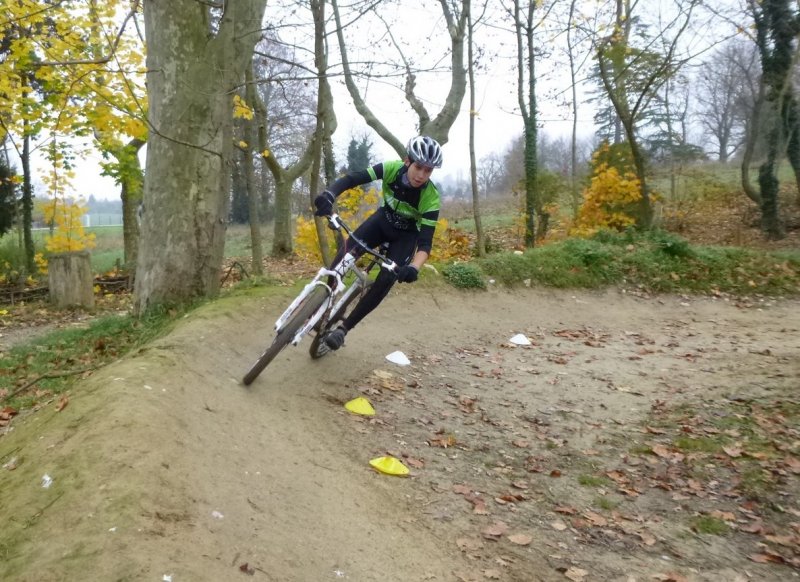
(417, 28)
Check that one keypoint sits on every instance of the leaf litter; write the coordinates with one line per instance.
(629, 477)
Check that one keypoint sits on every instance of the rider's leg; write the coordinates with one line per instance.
(374, 231)
(400, 251)
(371, 232)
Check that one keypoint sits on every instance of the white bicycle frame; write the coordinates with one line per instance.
(340, 288)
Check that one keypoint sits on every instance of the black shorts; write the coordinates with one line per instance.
(377, 229)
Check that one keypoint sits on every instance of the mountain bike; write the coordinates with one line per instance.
(325, 300)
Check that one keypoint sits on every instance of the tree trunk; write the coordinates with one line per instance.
(769, 184)
(480, 243)
(131, 196)
(644, 208)
(256, 250)
(326, 121)
(70, 279)
(793, 146)
(573, 174)
(753, 127)
(526, 96)
(27, 204)
(193, 68)
(251, 137)
(282, 239)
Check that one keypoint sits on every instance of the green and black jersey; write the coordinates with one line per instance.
(404, 205)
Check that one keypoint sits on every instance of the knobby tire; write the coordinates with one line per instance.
(313, 302)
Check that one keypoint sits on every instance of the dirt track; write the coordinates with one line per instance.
(164, 465)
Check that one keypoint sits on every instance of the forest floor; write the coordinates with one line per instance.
(635, 438)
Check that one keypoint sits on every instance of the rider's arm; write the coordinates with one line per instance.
(425, 239)
(354, 179)
(419, 259)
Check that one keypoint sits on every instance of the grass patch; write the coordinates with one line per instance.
(640, 450)
(606, 503)
(709, 525)
(755, 482)
(593, 481)
(49, 365)
(464, 276)
(700, 444)
(655, 261)
(744, 448)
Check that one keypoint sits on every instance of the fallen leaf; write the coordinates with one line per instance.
(723, 515)
(443, 441)
(469, 544)
(733, 452)
(558, 525)
(510, 498)
(576, 574)
(520, 539)
(671, 577)
(653, 430)
(755, 527)
(767, 558)
(479, 507)
(7, 412)
(478, 504)
(647, 538)
(467, 404)
(617, 476)
(787, 541)
(416, 463)
(793, 464)
(565, 509)
(495, 531)
(596, 518)
(62, 403)
(662, 451)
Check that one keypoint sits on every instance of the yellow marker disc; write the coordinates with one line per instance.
(360, 406)
(390, 466)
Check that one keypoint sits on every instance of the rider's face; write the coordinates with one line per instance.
(418, 174)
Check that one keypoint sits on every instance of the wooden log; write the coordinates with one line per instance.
(70, 279)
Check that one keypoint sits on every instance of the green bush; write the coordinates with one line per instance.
(464, 276)
(656, 261)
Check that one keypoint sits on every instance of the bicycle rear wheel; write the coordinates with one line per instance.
(306, 309)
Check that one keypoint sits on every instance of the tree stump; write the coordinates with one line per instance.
(71, 280)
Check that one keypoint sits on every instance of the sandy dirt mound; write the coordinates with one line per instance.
(164, 466)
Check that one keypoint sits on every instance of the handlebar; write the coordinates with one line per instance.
(336, 223)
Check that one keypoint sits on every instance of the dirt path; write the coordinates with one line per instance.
(165, 468)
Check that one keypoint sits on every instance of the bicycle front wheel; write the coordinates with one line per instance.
(306, 309)
(318, 348)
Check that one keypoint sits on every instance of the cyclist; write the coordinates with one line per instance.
(406, 220)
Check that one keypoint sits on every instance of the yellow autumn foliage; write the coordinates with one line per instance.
(241, 110)
(355, 206)
(68, 232)
(609, 201)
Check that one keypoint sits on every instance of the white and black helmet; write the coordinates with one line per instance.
(425, 151)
